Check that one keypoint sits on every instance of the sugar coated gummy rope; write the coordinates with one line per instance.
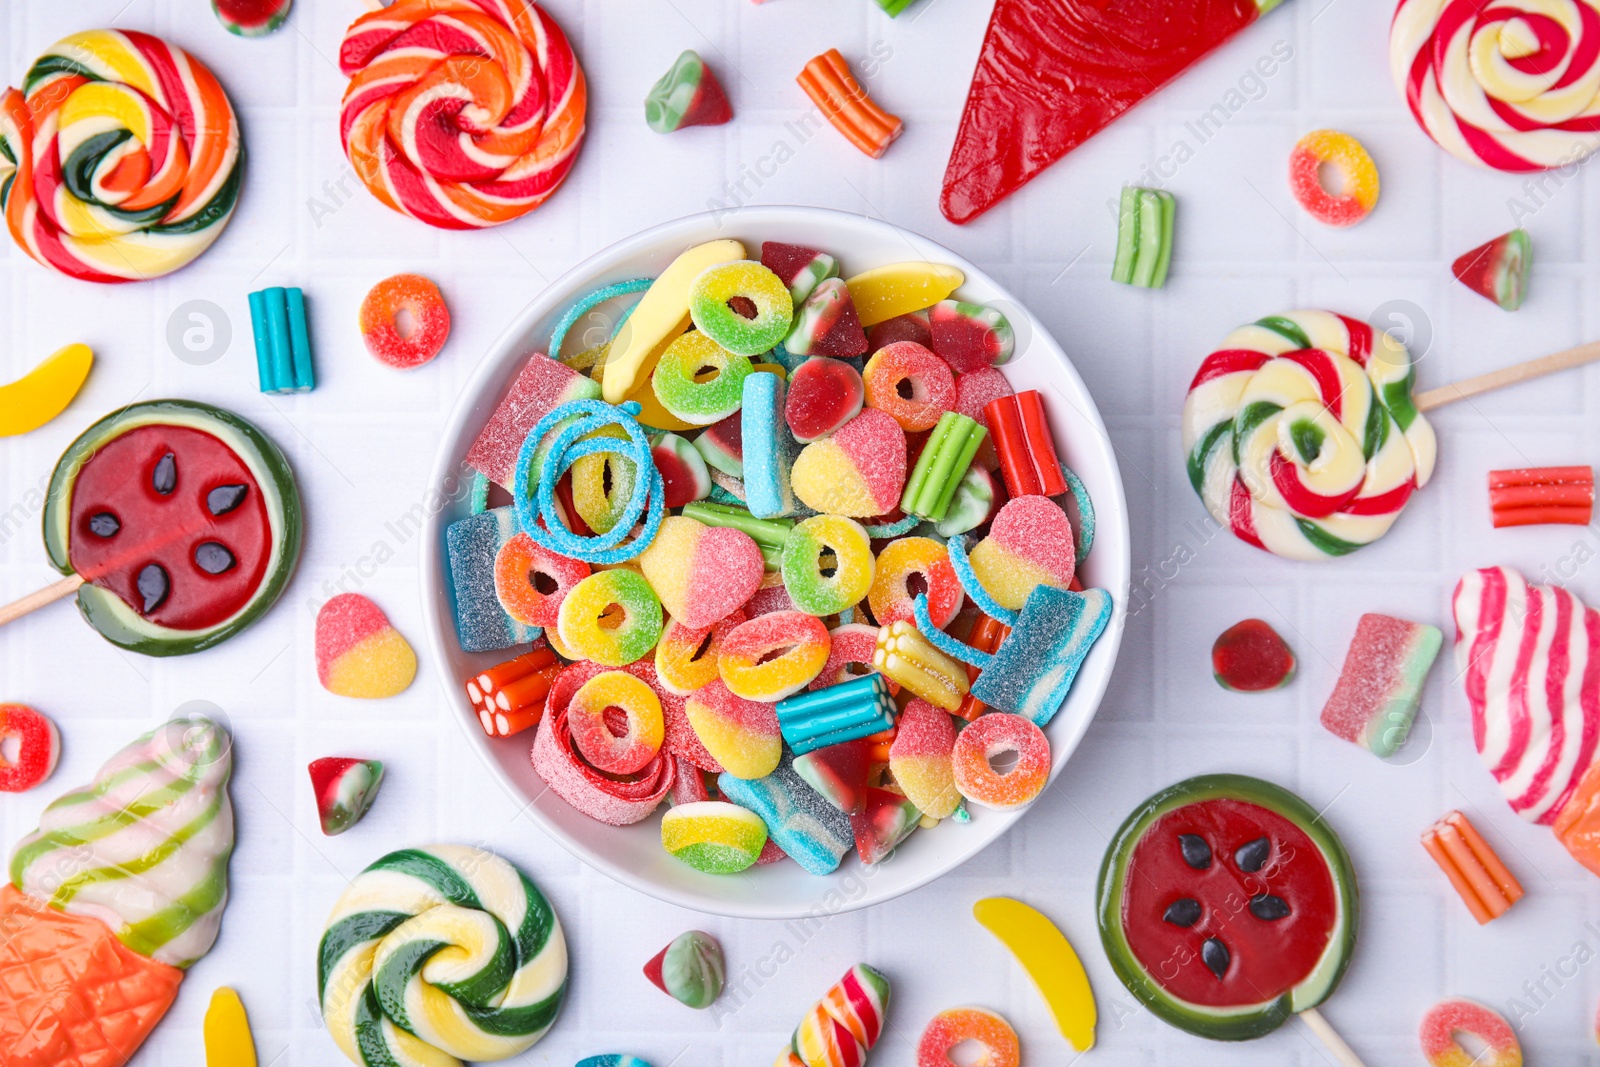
(1322, 149)
(122, 158)
(1144, 237)
(461, 113)
(587, 303)
(499, 999)
(1302, 436)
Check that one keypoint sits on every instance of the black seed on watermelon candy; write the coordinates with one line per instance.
(212, 558)
(165, 478)
(1184, 912)
(224, 498)
(1214, 954)
(1269, 908)
(1252, 855)
(153, 586)
(104, 524)
(1196, 853)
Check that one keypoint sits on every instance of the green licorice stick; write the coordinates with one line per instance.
(767, 533)
(1169, 209)
(771, 557)
(919, 473)
(1144, 269)
(961, 439)
(1127, 235)
(958, 471)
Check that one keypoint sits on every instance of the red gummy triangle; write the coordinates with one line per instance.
(844, 337)
(652, 970)
(1053, 73)
(786, 261)
(709, 106)
(839, 773)
(1494, 270)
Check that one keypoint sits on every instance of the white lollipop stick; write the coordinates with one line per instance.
(40, 597)
(1499, 379)
(1330, 1037)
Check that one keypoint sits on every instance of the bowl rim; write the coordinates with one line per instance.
(578, 279)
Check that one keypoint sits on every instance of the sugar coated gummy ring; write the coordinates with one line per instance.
(891, 596)
(911, 384)
(991, 735)
(589, 722)
(589, 623)
(520, 567)
(1450, 1018)
(1227, 904)
(742, 306)
(183, 519)
(801, 641)
(38, 748)
(827, 542)
(461, 114)
(1359, 175)
(698, 380)
(124, 157)
(996, 1040)
(419, 299)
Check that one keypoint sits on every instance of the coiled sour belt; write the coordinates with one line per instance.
(439, 954)
(1301, 434)
(121, 157)
(1508, 84)
(461, 113)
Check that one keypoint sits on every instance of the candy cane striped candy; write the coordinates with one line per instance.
(1301, 435)
(1512, 85)
(120, 157)
(1530, 657)
(439, 954)
(843, 1026)
(461, 113)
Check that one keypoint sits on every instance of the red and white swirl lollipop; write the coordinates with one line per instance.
(461, 113)
(1508, 84)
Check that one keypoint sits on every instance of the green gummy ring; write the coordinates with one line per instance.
(712, 315)
(1247, 1021)
(115, 620)
(677, 385)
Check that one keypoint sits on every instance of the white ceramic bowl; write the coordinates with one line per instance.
(633, 855)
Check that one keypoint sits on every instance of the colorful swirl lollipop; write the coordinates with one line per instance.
(1512, 85)
(461, 113)
(1302, 436)
(120, 157)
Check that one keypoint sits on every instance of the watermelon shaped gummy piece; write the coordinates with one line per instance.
(251, 18)
(1226, 905)
(183, 519)
(1497, 270)
(1053, 73)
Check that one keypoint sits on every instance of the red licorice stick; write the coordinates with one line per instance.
(987, 633)
(1522, 496)
(1541, 476)
(1547, 515)
(1022, 440)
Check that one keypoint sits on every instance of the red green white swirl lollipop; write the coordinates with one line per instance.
(177, 524)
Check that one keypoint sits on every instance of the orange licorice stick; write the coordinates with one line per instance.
(509, 697)
(1547, 515)
(1541, 476)
(1522, 496)
(830, 85)
(1483, 882)
(987, 633)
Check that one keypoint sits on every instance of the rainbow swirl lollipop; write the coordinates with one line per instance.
(1302, 436)
(120, 157)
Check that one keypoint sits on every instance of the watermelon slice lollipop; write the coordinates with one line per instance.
(178, 524)
(1227, 905)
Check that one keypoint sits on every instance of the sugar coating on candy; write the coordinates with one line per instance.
(37, 748)
(826, 324)
(1250, 657)
(521, 568)
(798, 267)
(587, 626)
(850, 645)
(419, 299)
(995, 1039)
(919, 562)
(970, 337)
(714, 836)
(887, 819)
(691, 969)
(1447, 1020)
(974, 393)
(358, 653)
(740, 734)
(813, 832)
(859, 471)
(345, 789)
(1380, 687)
(1029, 544)
(768, 599)
(825, 543)
(473, 545)
(686, 657)
(1033, 669)
(910, 383)
(721, 445)
(824, 394)
(684, 477)
(839, 773)
(908, 657)
(773, 655)
(921, 758)
(689, 94)
(590, 718)
(617, 800)
(699, 381)
(767, 460)
(742, 306)
(991, 735)
(1497, 270)
(1359, 192)
(912, 327)
(701, 573)
(541, 386)
(603, 483)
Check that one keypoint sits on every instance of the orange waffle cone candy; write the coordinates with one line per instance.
(71, 994)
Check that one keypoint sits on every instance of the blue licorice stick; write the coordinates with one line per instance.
(857, 708)
(766, 455)
(277, 304)
(588, 302)
(1080, 493)
(258, 328)
(944, 642)
(987, 604)
(305, 375)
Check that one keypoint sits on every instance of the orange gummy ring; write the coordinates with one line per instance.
(419, 299)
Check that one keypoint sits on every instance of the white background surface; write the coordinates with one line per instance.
(363, 441)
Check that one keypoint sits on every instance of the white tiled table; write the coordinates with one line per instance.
(364, 440)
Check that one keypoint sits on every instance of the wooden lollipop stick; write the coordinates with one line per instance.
(39, 598)
(1499, 379)
(1330, 1037)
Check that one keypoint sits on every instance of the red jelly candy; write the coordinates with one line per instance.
(824, 394)
(1250, 657)
(970, 337)
(912, 327)
(38, 748)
